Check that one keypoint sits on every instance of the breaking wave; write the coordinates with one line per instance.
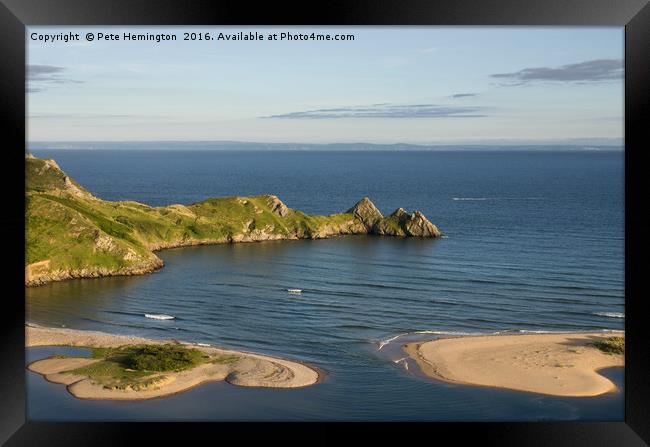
(610, 314)
(383, 343)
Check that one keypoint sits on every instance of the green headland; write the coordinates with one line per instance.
(72, 234)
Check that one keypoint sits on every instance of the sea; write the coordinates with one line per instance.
(533, 242)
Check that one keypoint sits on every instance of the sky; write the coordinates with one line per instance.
(417, 85)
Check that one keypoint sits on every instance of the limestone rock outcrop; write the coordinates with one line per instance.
(402, 223)
(277, 206)
(399, 223)
(367, 213)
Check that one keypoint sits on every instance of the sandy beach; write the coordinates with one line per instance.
(249, 369)
(552, 364)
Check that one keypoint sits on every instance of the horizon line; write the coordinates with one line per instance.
(575, 142)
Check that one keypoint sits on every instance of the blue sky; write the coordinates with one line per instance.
(421, 85)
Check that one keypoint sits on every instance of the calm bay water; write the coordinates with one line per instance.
(534, 243)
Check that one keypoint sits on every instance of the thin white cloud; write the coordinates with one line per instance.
(386, 111)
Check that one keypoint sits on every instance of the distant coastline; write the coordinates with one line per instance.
(577, 145)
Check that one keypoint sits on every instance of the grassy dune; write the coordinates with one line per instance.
(137, 366)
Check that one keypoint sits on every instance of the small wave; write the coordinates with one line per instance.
(610, 314)
(404, 362)
(160, 316)
(383, 343)
(528, 331)
(494, 198)
(541, 331)
(118, 312)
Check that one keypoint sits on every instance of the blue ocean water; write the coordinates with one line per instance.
(534, 242)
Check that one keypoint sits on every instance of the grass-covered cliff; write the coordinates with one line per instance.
(72, 234)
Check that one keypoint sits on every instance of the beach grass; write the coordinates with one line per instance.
(223, 359)
(111, 374)
(167, 357)
(611, 345)
(138, 366)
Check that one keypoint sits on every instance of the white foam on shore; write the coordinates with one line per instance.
(610, 314)
(383, 343)
(527, 331)
(530, 331)
(404, 361)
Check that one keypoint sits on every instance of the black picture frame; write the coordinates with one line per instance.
(633, 14)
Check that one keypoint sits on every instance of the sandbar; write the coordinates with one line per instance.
(558, 364)
(249, 369)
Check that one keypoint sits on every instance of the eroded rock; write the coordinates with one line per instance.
(277, 206)
(366, 212)
(402, 223)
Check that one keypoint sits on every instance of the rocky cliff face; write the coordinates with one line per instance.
(401, 223)
(72, 234)
(46, 175)
(36, 275)
(367, 213)
(277, 206)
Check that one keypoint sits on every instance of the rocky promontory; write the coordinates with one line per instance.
(399, 223)
(72, 234)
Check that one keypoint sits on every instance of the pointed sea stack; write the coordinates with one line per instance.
(401, 223)
(367, 213)
(416, 224)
